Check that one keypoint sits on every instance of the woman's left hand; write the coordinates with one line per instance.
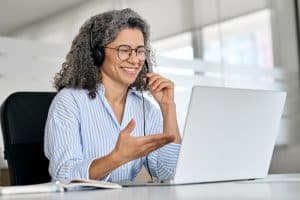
(161, 88)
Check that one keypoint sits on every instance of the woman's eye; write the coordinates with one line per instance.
(141, 51)
(124, 50)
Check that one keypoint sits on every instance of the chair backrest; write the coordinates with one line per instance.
(23, 117)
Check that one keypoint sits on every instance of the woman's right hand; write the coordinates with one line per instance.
(127, 148)
(130, 147)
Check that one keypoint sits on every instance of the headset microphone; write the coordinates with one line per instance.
(143, 86)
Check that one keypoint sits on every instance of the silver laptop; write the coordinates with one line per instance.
(229, 134)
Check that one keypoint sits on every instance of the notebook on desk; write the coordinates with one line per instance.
(229, 134)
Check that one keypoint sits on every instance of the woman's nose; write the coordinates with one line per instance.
(133, 57)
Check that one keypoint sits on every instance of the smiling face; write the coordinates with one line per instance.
(122, 73)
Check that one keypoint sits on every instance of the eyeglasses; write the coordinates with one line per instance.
(125, 51)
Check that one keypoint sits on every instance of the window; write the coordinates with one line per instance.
(245, 40)
(179, 46)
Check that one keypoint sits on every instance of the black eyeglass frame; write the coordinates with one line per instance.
(145, 52)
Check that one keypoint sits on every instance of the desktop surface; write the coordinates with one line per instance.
(274, 187)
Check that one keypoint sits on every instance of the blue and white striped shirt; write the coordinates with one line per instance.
(80, 129)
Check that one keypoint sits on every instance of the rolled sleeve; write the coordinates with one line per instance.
(76, 170)
(167, 159)
(162, 162)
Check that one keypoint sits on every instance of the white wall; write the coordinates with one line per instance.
(63, 27)
(166, 17)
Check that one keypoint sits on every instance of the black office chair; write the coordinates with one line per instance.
(23, 117)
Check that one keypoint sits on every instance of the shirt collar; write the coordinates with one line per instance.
(101, 91)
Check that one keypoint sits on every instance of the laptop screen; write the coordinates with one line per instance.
(229, 134)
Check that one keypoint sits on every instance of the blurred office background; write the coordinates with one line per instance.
(230, 43)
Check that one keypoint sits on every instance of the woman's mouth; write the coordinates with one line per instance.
(130, 70)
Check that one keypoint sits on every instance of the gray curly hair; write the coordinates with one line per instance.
(78, 70)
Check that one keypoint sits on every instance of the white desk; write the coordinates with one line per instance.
(286, 187)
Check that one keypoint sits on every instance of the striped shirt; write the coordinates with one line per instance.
(80, 129)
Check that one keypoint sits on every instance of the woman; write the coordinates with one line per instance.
(99, 125)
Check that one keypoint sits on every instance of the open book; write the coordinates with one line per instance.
(76, 184)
